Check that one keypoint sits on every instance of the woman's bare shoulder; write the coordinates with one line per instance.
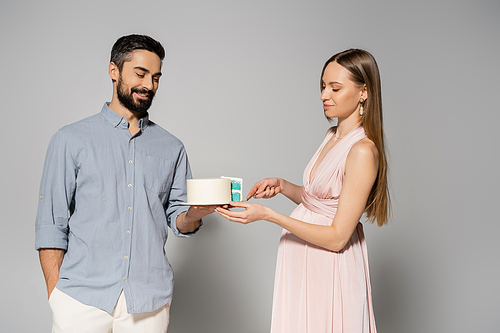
(364, 150)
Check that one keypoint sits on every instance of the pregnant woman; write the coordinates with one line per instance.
(322, 281)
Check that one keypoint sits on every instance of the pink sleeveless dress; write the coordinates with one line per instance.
(317, 290)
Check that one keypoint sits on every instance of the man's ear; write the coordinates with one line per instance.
(113, 71)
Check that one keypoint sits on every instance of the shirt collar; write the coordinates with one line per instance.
(144, 122)
(118, 121)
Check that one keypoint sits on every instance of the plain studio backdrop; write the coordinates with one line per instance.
(241, 90)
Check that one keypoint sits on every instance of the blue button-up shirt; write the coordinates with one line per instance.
(106, 197)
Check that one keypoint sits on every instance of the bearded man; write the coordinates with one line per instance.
(111, 185)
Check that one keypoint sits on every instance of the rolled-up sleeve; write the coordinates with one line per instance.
(57, 188)
(178, 194)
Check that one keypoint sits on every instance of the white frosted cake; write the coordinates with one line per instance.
(208, 191)
(236, 188)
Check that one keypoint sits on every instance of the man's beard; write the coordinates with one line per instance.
(127, 99)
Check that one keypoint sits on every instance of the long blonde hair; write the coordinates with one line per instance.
(363, 70)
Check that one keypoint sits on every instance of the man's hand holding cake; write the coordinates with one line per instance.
(189, 221)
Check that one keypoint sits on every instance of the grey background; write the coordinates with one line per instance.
(240, 89)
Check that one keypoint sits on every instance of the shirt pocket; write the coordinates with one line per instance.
(158, 174)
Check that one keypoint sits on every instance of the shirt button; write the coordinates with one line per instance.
(130, 162)
(129, 185)
(131, 140)
(128, 232)
(41, 197)
(126, 257)
(123, 121)
(129, 208)
(124, 278)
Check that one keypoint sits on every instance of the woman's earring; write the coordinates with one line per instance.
(361, 108)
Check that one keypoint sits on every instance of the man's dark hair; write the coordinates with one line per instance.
(124, 46)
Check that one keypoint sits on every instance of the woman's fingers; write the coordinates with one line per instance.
(268, 192)
(266, 188)
(253, 190)
(263, 191)
(239, 204)
(233, 216)
(250, 214)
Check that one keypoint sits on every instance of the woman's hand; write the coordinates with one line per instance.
(253, 212)
(266, 188)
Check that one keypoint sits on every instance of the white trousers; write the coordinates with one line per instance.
(71, 316)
